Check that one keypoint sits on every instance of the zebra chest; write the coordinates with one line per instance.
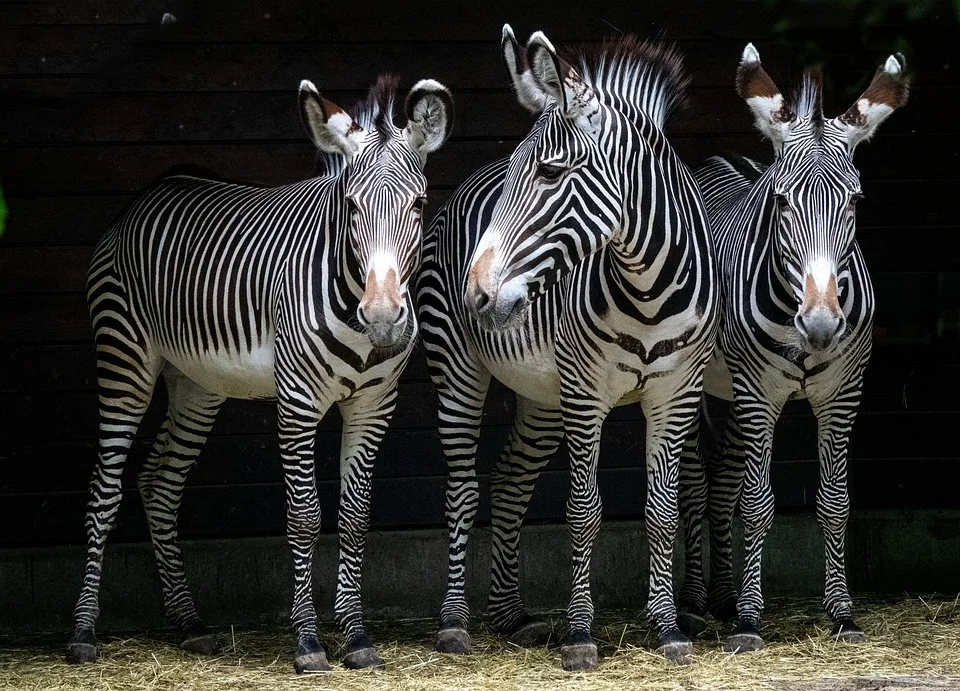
(247, 375)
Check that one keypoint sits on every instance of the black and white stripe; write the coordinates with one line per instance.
(580, 273)
(297, 293)
(797, 316)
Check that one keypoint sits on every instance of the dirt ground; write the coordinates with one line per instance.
(914, 645)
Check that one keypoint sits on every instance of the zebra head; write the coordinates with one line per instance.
(383, 189)
(567, 190)
(814, 185)
(511, 264)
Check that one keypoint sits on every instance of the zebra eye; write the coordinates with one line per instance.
(352, 207)
(855, 197)
(548, 171)
(419, 204)
(781, 200)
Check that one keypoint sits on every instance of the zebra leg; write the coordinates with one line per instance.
(756, 417)
(365, 423)
(537, 431)
(190, 416)
(834, 422)
(461, 398)
(126, 376)
(668, 427)
(725, 472)
(693, 505)
(582, 422)
(298, 416)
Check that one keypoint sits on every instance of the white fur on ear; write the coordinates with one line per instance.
(575, 98)
(770, 113)
(529, 94)
(330, 127)
(887, 91)
(429, 110)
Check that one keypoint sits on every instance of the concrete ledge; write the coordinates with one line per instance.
(248, 580)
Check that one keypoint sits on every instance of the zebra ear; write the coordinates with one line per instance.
(887, 92)
(529, 94)
(330, 127)
(559, 80)
(771, 114)
(429, 110)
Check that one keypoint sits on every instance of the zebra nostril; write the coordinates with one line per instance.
(361, 317)
(401, 313)
(801, 327)
(481, 300)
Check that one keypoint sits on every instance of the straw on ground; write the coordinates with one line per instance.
(914, 644)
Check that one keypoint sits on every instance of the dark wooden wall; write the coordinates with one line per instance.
(98, 98)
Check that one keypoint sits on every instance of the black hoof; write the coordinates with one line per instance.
(453, 640)
(82, 647)
(676, 647)
(691, 624)
(200, 640)
(847, 631)
(310, 657)
(724, 609)
(531, 633)
(361, 654)
(744, 639)
(579, 653)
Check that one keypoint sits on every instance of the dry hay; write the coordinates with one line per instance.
(914, 637)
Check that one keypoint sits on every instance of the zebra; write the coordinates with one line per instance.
(797, 317)
(296, 293)
(579, 273)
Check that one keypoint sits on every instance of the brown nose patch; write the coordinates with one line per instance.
(388, 291)
(481, 267)
(813, 298)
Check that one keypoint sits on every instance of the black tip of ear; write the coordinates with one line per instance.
(514, 59)
(429, 87)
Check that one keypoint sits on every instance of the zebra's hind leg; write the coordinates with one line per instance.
(692, 603)
(834, 422)
(536, 434)
(365, 422)
(725, 479)
(126, 375)
(191, 413)
(461, 390)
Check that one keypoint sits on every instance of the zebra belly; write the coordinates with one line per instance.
(534, 377)
(247, 375)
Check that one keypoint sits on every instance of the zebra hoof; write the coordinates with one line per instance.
(311, 657)
(676, 647)
(82, 647)
(691, 624)
(531, 633)
(579, 653)
(361, 654)
(205, 644)
(453, 640)
(744, 639)
(847, 631)
(311, 662)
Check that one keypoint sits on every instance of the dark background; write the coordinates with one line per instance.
(98, 98)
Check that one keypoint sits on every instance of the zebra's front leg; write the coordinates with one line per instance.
(191, 413)
(298, 416)
(692, 605)
(669, 426)
(365, 422)
(537, 432)
(834, 422)
(461, 393)
(756, 415)
(582, 421)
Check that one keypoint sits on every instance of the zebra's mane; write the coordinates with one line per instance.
(647, 75)
(375, 112)
(808, 100)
